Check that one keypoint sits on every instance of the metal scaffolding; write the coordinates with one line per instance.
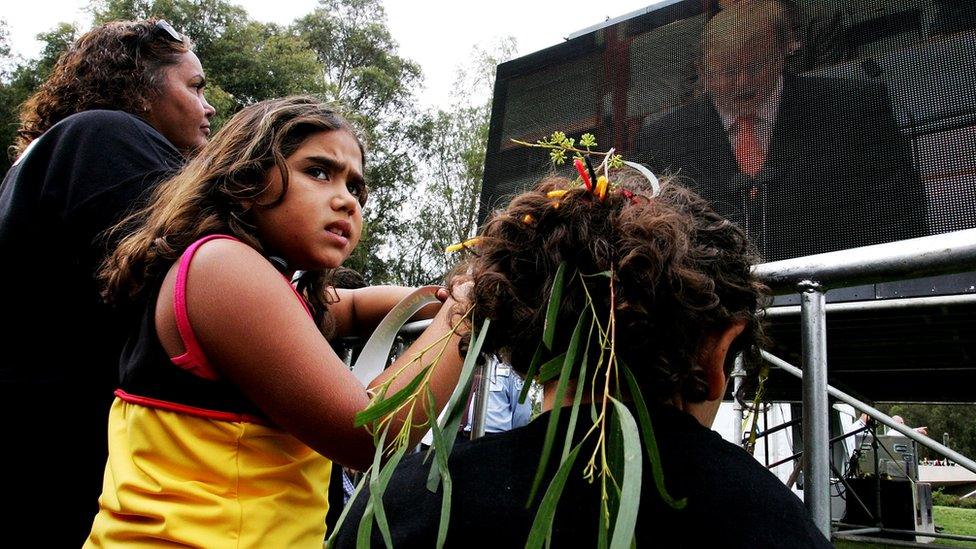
(814, 275)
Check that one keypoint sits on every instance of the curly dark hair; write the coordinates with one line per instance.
(680, 270)
(118, 65)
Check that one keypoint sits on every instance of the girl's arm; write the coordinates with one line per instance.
(252, 327)
(359, 311)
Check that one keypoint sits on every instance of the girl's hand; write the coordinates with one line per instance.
(442, 294)
(461, 288)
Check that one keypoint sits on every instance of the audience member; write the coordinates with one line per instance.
(503, 410)
(122, 108)
(231, 402)
(676, 280)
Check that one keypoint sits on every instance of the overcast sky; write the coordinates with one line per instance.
(438, 34)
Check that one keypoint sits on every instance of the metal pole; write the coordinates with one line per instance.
(487, 371)
(945, 253)
(881, 305)
(738, 410)
(816, 435)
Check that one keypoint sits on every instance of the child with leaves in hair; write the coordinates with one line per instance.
(232, 402)
(628, 304)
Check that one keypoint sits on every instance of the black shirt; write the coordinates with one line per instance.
(732, 500)
(60, 344)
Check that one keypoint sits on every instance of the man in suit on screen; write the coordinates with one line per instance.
(805, 164)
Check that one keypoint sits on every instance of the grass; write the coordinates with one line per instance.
(952, 520)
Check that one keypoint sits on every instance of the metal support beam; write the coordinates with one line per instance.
(881, 304)
(738, 410)
(483, 379)
(816, 434)
(945, 253)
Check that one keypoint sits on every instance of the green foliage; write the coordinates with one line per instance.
(564, 377)
(450, 165)
(948, 500)
(19, 79)
(956, 420)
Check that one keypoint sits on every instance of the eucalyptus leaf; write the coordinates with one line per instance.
(365, 531)
(378, 489)
(559, 397)
(551, 368)
(630, 482)
(459, 398)
(603, 530)
(552, 311)
(615, 463)
(547, 508)
(440, 462)
(650, 441)
(381, 408)
(578, 397)
(345, 510)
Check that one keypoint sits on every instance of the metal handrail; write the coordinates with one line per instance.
(946, 253)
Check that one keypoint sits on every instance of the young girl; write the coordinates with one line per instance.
(230, 396)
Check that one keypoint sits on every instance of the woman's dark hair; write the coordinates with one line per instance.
(118, 65)
(680, 271)
(215, 193)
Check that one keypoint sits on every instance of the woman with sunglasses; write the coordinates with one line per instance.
(122, 109)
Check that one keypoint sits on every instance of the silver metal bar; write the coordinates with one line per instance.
(920, 533)
(881, 304)
(738, 410)
(880, 416)
(946, 253)
(816, 434)
(480, 413)
(859, 531)
(416, 327)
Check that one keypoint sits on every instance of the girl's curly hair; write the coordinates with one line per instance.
(118, 65)
(680, 270)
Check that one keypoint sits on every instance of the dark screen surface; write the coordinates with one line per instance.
(815, 125)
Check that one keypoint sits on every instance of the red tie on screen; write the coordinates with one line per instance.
(747, 151)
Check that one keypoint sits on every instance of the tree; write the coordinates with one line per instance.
(19, 79)
(453, 159)
(374, 85)
(957, 420)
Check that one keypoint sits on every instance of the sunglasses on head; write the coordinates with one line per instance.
(168, 31)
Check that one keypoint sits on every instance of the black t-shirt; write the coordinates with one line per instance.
(60, 344)
(732, 500)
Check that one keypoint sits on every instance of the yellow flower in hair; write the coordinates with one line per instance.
(528, 219)
(469, 243)
(601, 187)
(558, 193)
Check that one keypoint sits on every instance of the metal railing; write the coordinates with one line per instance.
(814, 275)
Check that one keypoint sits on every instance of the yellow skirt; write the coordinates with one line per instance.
(176, 479)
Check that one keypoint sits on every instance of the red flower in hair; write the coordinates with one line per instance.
(584, 175)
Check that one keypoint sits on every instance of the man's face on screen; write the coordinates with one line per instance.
(742, 78)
